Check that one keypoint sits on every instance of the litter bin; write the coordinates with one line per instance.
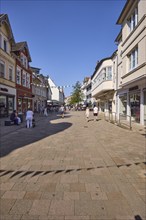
(20, 115)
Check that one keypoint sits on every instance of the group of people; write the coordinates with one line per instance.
(29, 118)
(95, 113)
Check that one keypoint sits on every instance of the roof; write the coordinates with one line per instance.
(5, 20)
(98, 65)
(20, 46)
(125, 10)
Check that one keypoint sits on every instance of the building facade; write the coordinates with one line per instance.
(57, 93)
(24, 94)
(7, 68)
(131, 92)
(103, 85)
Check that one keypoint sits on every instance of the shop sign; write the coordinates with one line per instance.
(4, 89)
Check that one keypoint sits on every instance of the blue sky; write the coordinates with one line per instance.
(65, 38)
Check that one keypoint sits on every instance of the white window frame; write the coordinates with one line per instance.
(133, 59)
(2, 74)
(25, 62)
(28, 80)
(18, 81)
(11, 73)
(109, 73)
(24, 78)
(133, 20)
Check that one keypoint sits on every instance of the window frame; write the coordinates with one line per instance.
(133, 20)
(133, 58)
(18, 82)
(4, 73)
(11, 68)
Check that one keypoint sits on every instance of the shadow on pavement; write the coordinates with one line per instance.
(24, 136)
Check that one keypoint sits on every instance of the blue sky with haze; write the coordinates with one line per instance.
(65, 38)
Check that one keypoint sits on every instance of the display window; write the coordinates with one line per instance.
(123, 104)
(135, 106)
(3, 105)
(10, 105)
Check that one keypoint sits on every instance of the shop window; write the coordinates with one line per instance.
(123, 104)
(19, 105)
(10, 105)
(3, 105)
(135, 107)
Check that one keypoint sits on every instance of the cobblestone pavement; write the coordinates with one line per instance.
(70, 169)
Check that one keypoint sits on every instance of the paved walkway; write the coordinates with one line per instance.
(70, 169)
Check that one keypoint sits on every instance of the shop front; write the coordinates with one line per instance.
(24, 101)
(7, 101)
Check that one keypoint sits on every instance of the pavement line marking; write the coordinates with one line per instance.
(39, 172)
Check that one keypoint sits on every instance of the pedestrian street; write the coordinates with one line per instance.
(71, 169)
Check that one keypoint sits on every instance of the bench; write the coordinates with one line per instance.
(9, 123)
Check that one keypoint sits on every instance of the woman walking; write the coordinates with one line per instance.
(87, 113)
(29, 117)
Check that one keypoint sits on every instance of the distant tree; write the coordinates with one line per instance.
(77, 94)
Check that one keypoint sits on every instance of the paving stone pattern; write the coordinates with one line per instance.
(70, 169)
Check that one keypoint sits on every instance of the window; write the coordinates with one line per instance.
(25, 62)
(2, 69)
(5, 45)
(133, 59)
(21, 58)
(109, 73)
(24, 79)
(133, 20)
(28, 80)
(18, 79)
(11, 73)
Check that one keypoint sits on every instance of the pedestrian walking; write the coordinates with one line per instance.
(41, 110)
(87, 113)
(45, 112)
(62, 111)
(95, 112)
(29, 118)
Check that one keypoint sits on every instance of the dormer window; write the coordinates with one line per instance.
(24, 61)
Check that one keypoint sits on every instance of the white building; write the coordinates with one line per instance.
(86, 89)
(103, 84)
(131, 93)
(57, 93)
